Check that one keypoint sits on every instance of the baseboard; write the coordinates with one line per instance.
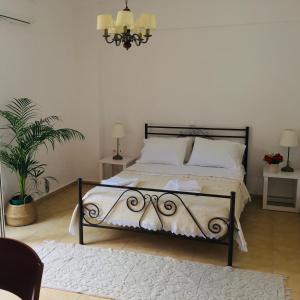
(56, 190)
(90, 181)
(256, 197)
(64, 187)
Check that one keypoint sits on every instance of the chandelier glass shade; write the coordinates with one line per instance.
(125, 29)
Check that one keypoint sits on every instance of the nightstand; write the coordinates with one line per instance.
(124, 163)
(282, 191)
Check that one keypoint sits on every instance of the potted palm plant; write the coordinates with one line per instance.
(26, 134)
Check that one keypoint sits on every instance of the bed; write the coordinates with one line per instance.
(211, 215)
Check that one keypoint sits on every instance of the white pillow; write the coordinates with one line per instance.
(217, 153)
(169, 151)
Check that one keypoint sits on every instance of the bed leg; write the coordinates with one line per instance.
(231, 229)
(80, 211)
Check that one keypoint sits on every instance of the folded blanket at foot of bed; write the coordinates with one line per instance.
(183, 185)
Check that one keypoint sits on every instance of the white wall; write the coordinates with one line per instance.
(210, 63)
(216, 63)
(48, 62)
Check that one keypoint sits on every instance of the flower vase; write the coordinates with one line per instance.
(273, 168)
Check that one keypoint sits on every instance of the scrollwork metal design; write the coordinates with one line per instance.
(167, 207)
(133, 202)
(214, 225)
(91, 212)
(165, 204)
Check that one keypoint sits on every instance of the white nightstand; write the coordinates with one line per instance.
(282, 191)
(124, 163)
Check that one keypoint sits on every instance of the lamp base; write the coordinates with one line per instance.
(118, 157)
(287, 169)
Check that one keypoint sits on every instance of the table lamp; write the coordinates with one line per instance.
(288, 139)
(118, 132)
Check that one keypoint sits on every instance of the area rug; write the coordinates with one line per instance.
(125, 275)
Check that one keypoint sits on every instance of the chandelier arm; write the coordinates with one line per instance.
(137, 42)
(145, 39)
(119, 37)
(146, 36)
(137, 39)
(107, 39)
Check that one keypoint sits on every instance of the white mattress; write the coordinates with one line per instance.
(212, 180)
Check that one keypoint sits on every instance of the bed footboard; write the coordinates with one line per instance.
(165, 204)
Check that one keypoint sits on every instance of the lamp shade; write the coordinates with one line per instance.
(115, 30)
(104, 22)
(147, 21)
(289, 138)
(125, 18)
(138, 24)
(118, 130)
(138, 27)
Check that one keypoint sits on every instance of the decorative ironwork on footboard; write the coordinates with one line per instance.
(164, 203)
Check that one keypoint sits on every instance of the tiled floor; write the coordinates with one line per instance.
(273, 241)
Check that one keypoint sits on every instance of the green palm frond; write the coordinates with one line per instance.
(29, 134)
(23, 108)
(49, 120)
(38, 134)
(66, 134)
(13, 121)
(9, 160)
(19, 112)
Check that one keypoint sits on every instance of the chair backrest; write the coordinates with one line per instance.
(20, 269)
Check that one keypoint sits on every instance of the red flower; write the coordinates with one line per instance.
(268, 159)
(273, 158)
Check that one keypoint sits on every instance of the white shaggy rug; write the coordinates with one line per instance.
(120, 274)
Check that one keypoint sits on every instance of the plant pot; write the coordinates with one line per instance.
(273, 168)
(21, 215)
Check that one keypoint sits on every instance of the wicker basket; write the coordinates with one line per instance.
(21, 215)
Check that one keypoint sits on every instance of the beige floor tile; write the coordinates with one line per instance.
(295, 296)
(293, 282)
(85, 297)
(286, 262)
(50, 294)
(285, 241)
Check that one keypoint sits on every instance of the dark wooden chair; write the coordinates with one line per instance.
(20, 269)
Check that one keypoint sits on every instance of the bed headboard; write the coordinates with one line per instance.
(241, 134)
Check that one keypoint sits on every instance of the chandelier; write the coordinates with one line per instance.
(125, 30)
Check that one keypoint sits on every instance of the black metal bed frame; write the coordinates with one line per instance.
(165, 202)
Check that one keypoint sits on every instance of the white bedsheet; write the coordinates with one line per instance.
(212, 180)
(237, 174)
